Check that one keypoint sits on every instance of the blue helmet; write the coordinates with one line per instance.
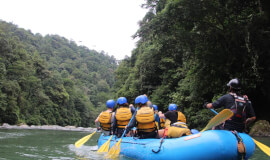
(155, 107)
(110, 103)
(172, 107)
(141, 99)
(121, 100)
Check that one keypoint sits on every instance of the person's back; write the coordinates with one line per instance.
(123, 115)
(175, 116)
(175, 123)
(105, 118)
(144, 119)
(238, 104)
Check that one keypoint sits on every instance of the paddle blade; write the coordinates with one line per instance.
(83, 140)
(105, 146)
(263, 147)
(115, 150)
(219, 118)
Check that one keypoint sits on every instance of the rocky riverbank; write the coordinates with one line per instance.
(47, 127)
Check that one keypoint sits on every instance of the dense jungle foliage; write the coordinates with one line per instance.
(189, 50)
(51, 80)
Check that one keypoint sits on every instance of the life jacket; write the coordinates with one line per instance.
(105, 120)
(178, 129)
(181, 117)
(162, 122)
(123, 116)
(239, 108)
(145, 118)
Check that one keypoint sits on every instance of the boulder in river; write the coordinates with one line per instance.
(261, 128)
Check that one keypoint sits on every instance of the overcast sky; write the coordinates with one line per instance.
(98, 24)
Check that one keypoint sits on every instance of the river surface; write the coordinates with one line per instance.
(59, 145)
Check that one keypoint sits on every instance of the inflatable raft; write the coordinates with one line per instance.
(208, 145)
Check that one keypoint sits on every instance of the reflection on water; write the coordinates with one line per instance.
(59, 145)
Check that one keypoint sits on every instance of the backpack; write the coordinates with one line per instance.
(239, 108)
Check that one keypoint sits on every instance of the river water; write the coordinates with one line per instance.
(59, 145)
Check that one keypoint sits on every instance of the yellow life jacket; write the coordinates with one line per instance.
(145, 118)
(123, 116)
(105, 120)
(178, 129)
(181, 117)
(162, 122)
(167, 123)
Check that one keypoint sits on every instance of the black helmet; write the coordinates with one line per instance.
(234, 83)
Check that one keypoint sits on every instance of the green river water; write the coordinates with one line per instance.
(59, 145)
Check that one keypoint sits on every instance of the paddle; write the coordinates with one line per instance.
(105, 146)
(83, 140)
(115, 150)
(219, 118)
(262, 146)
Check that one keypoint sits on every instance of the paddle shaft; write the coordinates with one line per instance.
(214, 111)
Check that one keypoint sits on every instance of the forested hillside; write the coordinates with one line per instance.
(189, 50)
(51, 80)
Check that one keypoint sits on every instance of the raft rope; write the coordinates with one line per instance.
(240, 145)
(161, 141)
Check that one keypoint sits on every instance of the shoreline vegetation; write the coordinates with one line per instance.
(261, 128)
(46, 127)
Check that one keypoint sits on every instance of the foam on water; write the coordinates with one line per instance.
(6, 135)
(30, 155)
(86, 152)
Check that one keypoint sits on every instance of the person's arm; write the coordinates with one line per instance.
(112, 118)
(218, 103)
(250, 120)
(161, 115)
(97, 122)
(114, 124)
(157, 119)
(250, 114)
(132, 109)
(209, 106)
(132, 123)
(97, 118)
